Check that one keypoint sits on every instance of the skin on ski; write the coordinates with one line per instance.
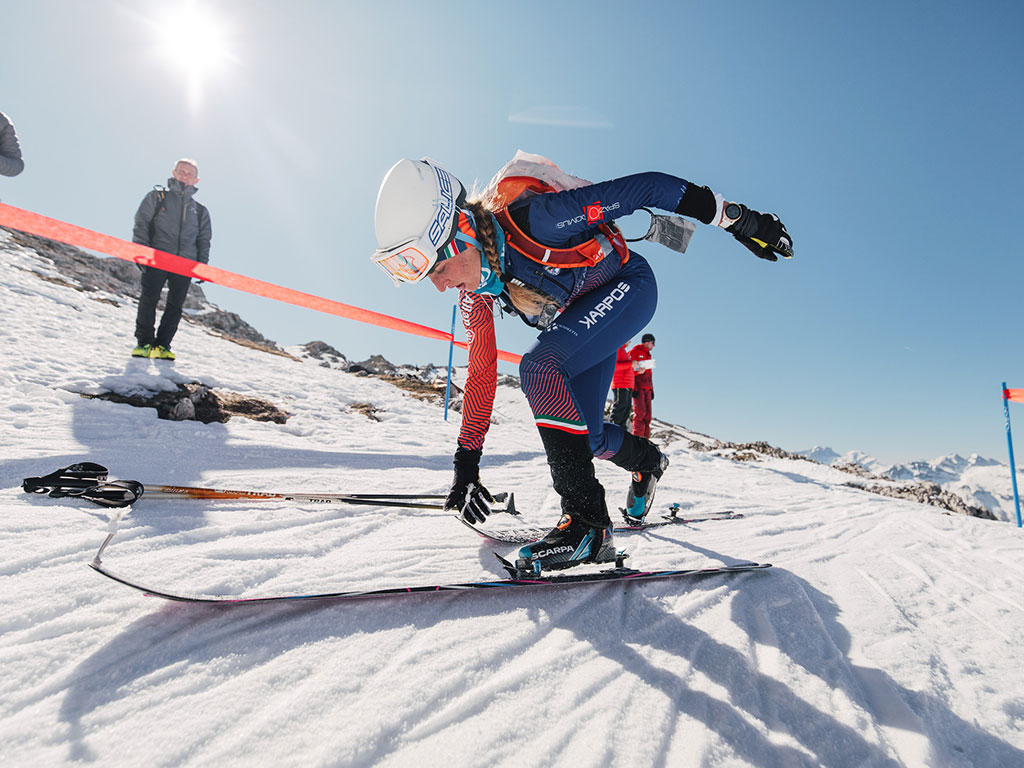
(618, 574)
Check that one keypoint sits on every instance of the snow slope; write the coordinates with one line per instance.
(886, 634)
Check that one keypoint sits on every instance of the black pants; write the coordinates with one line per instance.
(177, 289)
(621, 406)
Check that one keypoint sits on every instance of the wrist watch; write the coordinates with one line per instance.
(731, 213)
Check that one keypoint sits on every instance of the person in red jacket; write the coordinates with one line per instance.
(622, 387)
(643, 386)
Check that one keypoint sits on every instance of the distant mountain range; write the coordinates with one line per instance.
(979, 481)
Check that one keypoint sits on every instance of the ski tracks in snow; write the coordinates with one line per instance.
(883, 636)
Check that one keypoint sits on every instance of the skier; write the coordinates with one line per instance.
(643, 386)
(622, 388)
(507, 247)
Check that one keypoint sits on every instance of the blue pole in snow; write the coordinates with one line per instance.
(1009, 443)
(451, 349)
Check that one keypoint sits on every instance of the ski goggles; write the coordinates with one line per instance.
(413, 260)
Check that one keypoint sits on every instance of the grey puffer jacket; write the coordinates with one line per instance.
(11, 163)
(176, 224)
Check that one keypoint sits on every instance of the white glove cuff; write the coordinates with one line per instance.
(719, 208)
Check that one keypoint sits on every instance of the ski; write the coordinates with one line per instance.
(672, 518)
(615, 574)
(525, 535)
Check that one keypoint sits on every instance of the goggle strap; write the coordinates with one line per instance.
(462, 237)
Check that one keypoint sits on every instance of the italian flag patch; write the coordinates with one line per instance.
(566, 425)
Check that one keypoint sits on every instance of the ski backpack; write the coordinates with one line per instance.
(526, 175)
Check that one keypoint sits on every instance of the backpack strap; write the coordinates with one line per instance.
(586, 254)
(161, 193)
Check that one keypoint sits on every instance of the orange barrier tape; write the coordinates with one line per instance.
(16, 218)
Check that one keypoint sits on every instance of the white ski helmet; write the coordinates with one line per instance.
(417, 215)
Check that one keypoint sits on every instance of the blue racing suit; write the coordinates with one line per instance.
(567, 372)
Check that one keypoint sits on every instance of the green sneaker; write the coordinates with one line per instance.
(143, 350)
(161, 352)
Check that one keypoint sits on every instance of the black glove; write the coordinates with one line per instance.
(652, 395)
(636, 393)
(467, 494)
(763, 234)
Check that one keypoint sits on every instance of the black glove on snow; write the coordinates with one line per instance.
(467, 494)
(763, 234)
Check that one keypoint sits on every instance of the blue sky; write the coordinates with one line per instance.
(885, 134)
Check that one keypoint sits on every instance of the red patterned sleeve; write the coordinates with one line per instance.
(478, 401)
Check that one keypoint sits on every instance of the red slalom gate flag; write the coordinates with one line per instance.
(1014, 395)
(54, 229)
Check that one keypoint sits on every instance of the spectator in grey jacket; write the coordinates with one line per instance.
(170, 220)
(11, 163)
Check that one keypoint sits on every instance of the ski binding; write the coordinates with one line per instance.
(530, 567)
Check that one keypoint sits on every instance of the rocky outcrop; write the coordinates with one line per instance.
(328, 356)
(927, 493)
(197, 402)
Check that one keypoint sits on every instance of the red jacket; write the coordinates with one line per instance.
(642, 379)
(623, 378)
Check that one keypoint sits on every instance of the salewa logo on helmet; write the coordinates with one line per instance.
(593, 210)
(442, 221)
(605, 305)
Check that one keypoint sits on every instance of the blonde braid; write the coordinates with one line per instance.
(525, 299)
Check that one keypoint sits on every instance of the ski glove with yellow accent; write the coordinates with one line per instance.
(763, 234)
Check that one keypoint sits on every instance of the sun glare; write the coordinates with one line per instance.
(193, 39)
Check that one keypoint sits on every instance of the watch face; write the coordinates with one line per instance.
(732, 211)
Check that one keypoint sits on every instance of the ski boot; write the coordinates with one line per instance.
(143, 350)
(640, 496)
(571, 542)
(160, 352)
(584, 533)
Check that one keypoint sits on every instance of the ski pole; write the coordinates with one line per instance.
(451, 349)
(383, 500)
(223, 494)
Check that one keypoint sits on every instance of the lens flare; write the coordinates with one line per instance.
(193, 39)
